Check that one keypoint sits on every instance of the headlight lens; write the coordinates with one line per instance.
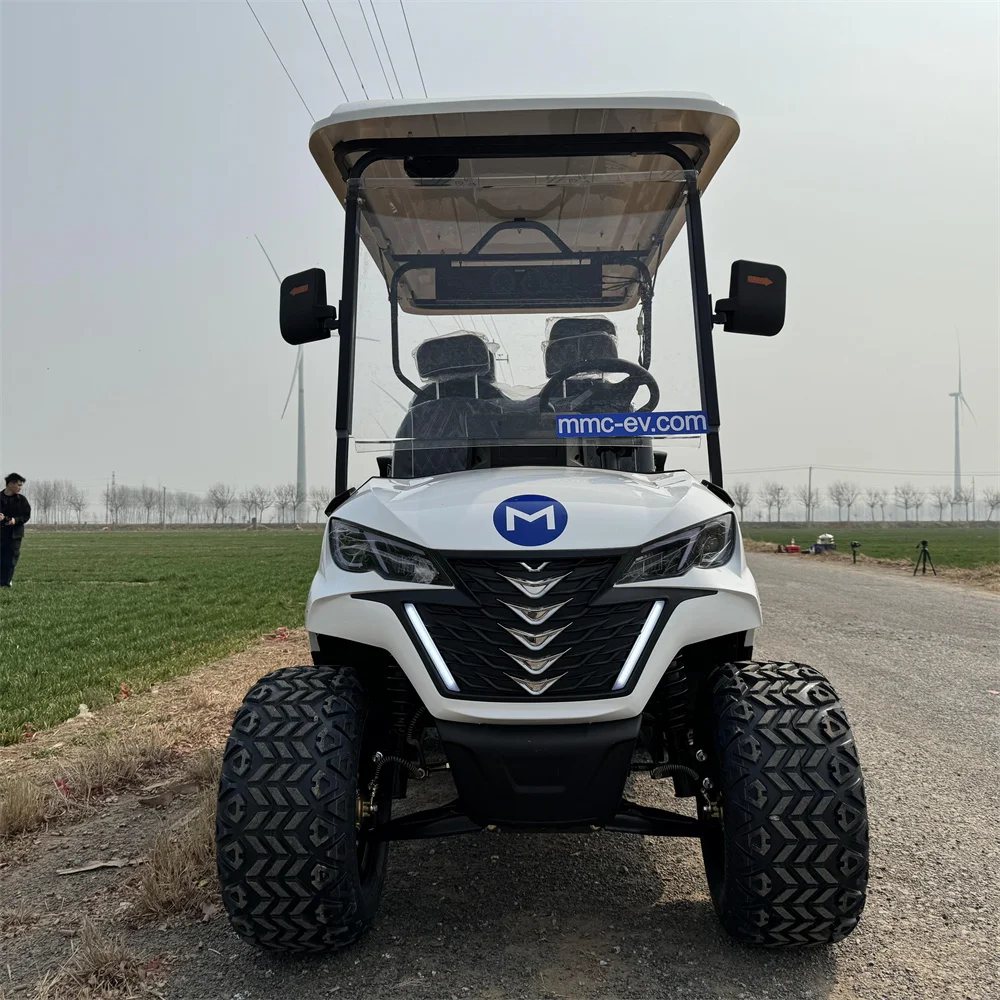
(703, 545)
(361, 550)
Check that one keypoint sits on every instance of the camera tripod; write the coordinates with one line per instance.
(923, 559)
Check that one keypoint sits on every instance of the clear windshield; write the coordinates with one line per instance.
(530, 312)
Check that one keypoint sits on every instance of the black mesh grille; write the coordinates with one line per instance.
(595, 642)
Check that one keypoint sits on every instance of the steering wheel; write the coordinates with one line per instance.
(637, 376)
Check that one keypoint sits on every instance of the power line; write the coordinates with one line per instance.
(349, 53)
(327, 54)
(378, 55)
(416, 58)
(378, 24)
(312, 117)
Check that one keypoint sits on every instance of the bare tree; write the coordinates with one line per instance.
(221, 496)
(872, 499)
(190, 503)
(743, 496)
(852, 493)
(992, 498)
(149, 497)
(941, 498)
(262, 499)
(246, 501)
(808, 498)
(775, 495)
(907, 496)
(170, 505)
(837, 492)
(76, 500)
(43, 495)
(319, 497)
(963, 498)
(284, 497)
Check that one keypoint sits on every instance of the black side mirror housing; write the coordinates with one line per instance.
(304, 315)
(756, 303)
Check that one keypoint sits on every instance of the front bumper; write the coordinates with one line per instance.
(540, 776)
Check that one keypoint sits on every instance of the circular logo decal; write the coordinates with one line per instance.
(530, 519)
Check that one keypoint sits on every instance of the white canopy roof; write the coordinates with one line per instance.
(629, 210)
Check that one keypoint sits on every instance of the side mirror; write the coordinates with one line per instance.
(756, 302)
(304, 315)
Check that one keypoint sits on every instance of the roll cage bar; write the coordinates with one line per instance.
(512, 147)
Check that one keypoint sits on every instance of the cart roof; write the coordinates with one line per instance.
(408, 219)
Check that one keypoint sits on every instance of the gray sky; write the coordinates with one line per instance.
(144, 144)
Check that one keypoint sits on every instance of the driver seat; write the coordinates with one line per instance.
(582, 338)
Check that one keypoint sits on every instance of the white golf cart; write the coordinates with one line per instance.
(519, 590)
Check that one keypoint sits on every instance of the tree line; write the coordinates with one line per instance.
(848, 496)
(60, 501)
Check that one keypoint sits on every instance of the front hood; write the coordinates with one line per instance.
(472, 511)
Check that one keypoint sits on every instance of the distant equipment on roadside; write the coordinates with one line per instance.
(923, 559)
(854, 551)
(825, 543)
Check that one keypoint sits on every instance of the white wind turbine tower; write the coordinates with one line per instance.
(959, 402)
(300, 463)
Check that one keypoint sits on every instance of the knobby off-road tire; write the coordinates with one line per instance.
(787, 865)
(296, 874)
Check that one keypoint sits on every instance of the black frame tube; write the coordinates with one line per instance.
(500, 147)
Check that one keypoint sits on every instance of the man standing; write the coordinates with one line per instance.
(14, 512)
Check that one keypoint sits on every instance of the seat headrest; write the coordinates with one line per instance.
(453, 356)
(580, 338)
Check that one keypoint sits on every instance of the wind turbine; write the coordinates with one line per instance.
(959, 399)
(297, 376)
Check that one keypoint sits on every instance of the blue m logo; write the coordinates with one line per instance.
(530, 519)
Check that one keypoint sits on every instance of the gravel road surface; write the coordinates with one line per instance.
(608, 915)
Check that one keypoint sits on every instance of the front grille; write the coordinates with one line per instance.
(567, 647)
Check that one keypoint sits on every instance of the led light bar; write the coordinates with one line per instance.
(639, 645)
(433, 653)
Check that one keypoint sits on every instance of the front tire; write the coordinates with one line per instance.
(298, 872)
(787, 858)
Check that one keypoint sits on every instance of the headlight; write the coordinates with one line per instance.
(703, 545)
(361, 550)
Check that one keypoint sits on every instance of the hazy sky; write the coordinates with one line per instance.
(144, 144)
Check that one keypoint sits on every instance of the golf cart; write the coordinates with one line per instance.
(523, 589)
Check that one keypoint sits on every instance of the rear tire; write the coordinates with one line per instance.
(297, 873)
(787, 862)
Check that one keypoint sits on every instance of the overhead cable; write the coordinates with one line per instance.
(388, 54)
(350, 55)
(378, 55)
(312, 117)
(319, 38)
(416, 58)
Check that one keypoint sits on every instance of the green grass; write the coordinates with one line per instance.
(91, 611)
(949, 545)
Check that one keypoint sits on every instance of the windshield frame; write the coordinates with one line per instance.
(667, 144)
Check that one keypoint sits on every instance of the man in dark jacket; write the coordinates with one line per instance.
(14, 512)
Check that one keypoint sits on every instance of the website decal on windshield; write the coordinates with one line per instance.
(601, 425)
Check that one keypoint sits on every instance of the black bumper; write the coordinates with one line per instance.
(540, 776)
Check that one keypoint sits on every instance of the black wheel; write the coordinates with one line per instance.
(299, 865)
(786, 853)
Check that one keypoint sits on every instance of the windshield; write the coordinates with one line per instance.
(530, 319)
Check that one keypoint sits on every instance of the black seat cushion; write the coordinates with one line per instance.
(454, 356)
(575, 339)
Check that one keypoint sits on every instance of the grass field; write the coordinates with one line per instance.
(91, 611)
(967, 547)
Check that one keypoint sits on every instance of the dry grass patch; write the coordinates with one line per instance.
(180, 873)
(204, 767)
(101, 965)
(25, 806)
(127, 760)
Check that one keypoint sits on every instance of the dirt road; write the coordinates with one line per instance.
(605, 915)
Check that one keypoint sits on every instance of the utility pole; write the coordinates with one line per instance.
(809, 488)
(163, 507)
